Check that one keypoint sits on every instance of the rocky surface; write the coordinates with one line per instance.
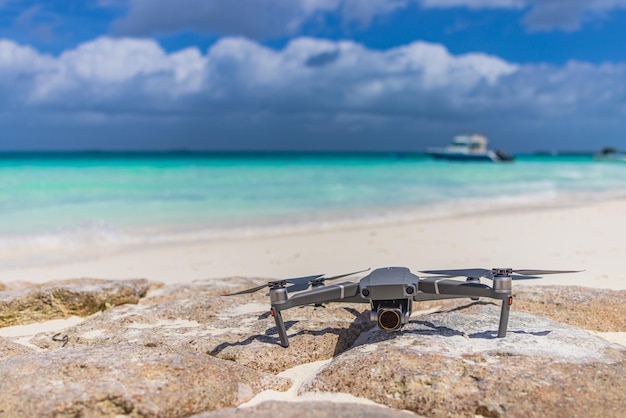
(195, 318)
(125, 380)
(179, 350)
(592, 309)
(64, 298)
(451, 364)
(9, 348)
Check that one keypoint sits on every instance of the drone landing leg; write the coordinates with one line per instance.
(280, 326)
(504, 316)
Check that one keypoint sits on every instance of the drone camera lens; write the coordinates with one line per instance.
(389, 320)
(409, 290)
(365, 292)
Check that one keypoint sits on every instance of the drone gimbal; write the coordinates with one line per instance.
(391, 291)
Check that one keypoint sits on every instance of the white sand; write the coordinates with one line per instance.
(48, 326)
(589, 237)
(300, 375)
(21, 334)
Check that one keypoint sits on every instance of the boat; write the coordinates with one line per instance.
(469, 147)
(610, 154)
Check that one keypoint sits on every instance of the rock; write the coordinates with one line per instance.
(206, 288)
(9, 348)
(592, 309)
(315, 333)
(598, 310)
(451, 364)
(15, 285)
(61, 299)
(151, 357)
(125, 380)
(191, 317)
(309, 409)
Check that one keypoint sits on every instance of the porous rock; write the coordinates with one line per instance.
(192, 317)
(451, 364)
(62, 299)
(125, 380)
(600, 310)
(308, 409)
(8, 348)
(592, 309)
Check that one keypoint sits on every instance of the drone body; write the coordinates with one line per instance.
(391, 291)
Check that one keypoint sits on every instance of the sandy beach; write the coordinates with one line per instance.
(585, 237)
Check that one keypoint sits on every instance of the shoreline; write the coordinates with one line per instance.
(579, 235)
(132, 238)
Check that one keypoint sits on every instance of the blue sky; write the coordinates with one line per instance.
(311, 74)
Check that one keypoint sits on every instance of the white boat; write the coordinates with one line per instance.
(610, 154)
(471, 147)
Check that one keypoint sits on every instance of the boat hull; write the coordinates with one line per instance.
(442, 155)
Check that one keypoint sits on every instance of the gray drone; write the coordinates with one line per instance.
(391, 291)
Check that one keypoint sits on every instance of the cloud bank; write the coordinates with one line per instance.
(310, 81)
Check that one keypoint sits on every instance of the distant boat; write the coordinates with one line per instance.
(472, 147)
(610, 154)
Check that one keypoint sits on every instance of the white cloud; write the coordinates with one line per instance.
(108, 71)
(309, 80)
(18, 59)
(19, 66)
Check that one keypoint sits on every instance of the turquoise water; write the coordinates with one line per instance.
(72, 199)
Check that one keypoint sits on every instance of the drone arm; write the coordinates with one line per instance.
(348, 291)
(342, 291)
(456, 288)
(465, 289)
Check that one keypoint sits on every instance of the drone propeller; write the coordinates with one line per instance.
(303, 283)
(516, 274)
(296, 280)
(297, 283)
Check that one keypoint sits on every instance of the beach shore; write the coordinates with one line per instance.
(585, 237)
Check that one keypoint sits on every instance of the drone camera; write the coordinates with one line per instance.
(389, 319)
(390, 315)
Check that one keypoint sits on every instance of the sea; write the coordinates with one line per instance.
(58, 203)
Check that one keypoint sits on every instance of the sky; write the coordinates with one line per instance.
(330, 75)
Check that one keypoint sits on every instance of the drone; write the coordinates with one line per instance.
(391, 291)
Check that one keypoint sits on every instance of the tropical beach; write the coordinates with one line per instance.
(561, 232)
(580, 237)
(207, 216)
(312, 208)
